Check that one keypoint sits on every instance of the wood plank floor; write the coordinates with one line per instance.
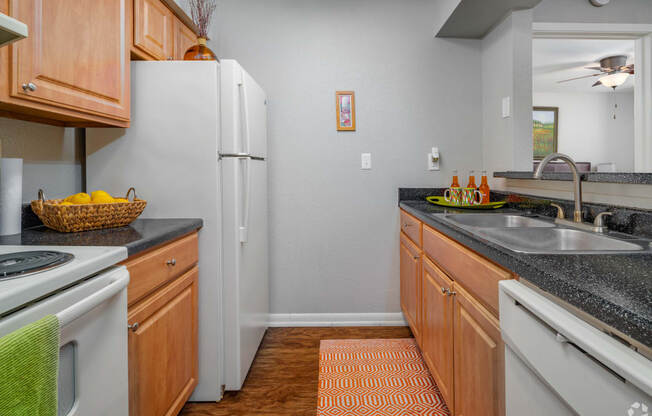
(283, 379)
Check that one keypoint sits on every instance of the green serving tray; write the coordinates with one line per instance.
(439, 200)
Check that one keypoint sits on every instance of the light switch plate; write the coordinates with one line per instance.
(506, 107)
(365, 161)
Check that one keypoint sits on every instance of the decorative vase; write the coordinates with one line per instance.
(200, 52)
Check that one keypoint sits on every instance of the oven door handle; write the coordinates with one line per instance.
(82, 307)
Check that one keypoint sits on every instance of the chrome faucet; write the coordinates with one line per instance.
(577, 181)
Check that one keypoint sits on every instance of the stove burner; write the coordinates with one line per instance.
(24, 263)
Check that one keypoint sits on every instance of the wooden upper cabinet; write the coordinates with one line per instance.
(73, 67)
(184, 38)
(479, 359)
(437, 328)
(411, 284)
(154, 29)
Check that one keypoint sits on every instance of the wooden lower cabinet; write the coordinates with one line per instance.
(451, 306)
(437, 328)
(163, 349)
(162, 315)
(410, 259)
(479, 359)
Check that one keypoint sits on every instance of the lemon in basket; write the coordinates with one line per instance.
(101, 197)
(65, 203)
(121, 200)
(80, 198)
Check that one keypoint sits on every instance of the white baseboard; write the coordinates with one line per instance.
(336, 319)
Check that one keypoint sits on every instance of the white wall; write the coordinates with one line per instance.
(51, 157)
(506, 68)
(334, 228)
(587, 130)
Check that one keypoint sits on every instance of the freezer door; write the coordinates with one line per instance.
(246, 281)
(244, 112)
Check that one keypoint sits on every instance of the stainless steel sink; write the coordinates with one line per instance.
(555, 240)
(496, 221)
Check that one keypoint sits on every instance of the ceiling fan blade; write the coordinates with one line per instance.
(585, 76)
(597, 83)
(629, 69)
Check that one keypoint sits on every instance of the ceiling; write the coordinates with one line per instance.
(558, 59)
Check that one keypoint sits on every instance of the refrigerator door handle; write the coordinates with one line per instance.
(245, 113)
(244, 228)
(221, 156)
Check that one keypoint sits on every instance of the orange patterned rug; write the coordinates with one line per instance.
(364, 377)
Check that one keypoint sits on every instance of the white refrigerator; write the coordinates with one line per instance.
(197, 147)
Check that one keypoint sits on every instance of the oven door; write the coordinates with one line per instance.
(93, 374)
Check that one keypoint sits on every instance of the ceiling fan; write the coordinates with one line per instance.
(613, 72)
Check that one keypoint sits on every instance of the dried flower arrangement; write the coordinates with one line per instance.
(202, 13)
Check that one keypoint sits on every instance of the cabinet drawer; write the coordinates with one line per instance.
(411, 227)
(157, 267)
(477, 275)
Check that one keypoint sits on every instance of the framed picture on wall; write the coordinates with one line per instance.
(345, 108)
(545, 123)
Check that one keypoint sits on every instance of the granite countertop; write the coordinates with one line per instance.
(137, 237)
(615, 289)
(603, 177)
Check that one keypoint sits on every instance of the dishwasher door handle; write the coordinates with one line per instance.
(84, 306)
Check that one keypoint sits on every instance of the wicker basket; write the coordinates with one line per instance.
(74, 218)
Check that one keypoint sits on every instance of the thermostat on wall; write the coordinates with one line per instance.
(599, 3)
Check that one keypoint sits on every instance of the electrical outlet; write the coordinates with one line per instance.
(432, 165)
(365, 161)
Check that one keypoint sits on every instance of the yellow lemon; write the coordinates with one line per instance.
(100, 194)
(101, 197)
(65, 203)
(121, 200)
(80, 198)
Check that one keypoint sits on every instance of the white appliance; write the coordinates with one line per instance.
(197, 147)
(89, 297)
(557, 364)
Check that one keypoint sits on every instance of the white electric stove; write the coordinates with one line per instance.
(88, 294)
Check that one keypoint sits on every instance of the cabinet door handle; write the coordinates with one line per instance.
(448, 292)
(172, 262)
(406, 225)
(443, 290)
(416, 257)
(30, 86)
(133, 327)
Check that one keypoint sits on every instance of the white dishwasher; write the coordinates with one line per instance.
(557, 364)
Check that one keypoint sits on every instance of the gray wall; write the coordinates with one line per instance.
(507, 72)
(581, 11)
(334, 228)
(51, 157)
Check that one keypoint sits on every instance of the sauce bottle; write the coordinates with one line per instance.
(484, 188)
(456, 182)
(472, 180)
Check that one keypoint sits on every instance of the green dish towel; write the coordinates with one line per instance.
(29, 361)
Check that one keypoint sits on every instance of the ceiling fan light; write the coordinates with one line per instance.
(614, 80)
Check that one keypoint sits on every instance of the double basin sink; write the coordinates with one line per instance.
(541, 236)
